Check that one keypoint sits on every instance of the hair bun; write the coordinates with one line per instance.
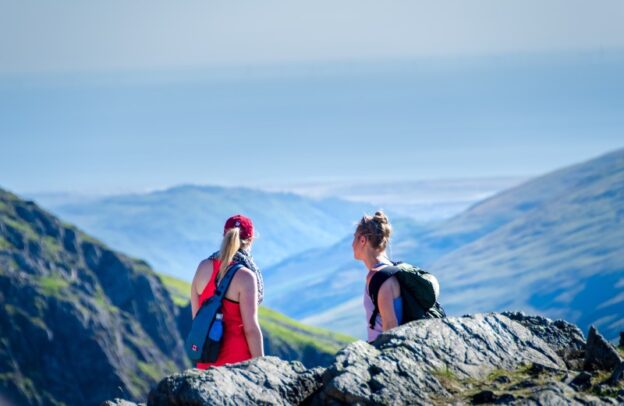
(376, 228)
(380, 217)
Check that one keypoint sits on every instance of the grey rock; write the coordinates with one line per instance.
(599, 353)
(557, 393)
(565, 338)
(266, 380)
(559, 334)
(622, 339)
(412, 364)
(400, 367)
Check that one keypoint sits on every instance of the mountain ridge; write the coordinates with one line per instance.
(174, 229)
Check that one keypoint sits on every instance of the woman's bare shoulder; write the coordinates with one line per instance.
(245, 277)
(389, 286)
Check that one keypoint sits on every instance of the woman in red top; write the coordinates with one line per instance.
(242, 337)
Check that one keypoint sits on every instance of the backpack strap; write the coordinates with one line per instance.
(378, 279)
(224, 284)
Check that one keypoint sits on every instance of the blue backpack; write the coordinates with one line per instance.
(204, 340)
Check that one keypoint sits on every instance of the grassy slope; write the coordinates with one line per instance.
(274, 323)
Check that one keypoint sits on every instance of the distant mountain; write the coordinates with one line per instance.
(81, 323)
(553, 245)
(176, 228)
(421, 200)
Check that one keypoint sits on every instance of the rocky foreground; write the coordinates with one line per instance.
(507, 358)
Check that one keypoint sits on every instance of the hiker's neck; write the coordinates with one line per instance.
(375, 258)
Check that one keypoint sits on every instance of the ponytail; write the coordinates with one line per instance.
(230, 245)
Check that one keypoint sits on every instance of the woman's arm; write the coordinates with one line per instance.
(194, 295)
(249, 311)
(385, 301)
(199, 282)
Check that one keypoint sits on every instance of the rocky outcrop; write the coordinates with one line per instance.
(558, 393)
(267, 381)
(565, 338)
(509, 358)
(560, 335)
(599, 354)
(405, 365)
(79, 322)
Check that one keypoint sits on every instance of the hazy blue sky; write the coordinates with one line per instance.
(118, 34)
(120, 96)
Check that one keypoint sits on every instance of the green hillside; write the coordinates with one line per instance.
(79, 323)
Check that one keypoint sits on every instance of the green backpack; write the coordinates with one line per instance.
(419, 292)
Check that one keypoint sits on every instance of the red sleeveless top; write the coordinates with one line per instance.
(234, 346)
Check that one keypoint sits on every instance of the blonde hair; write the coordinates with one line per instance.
(229, 246)
(377, 229)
